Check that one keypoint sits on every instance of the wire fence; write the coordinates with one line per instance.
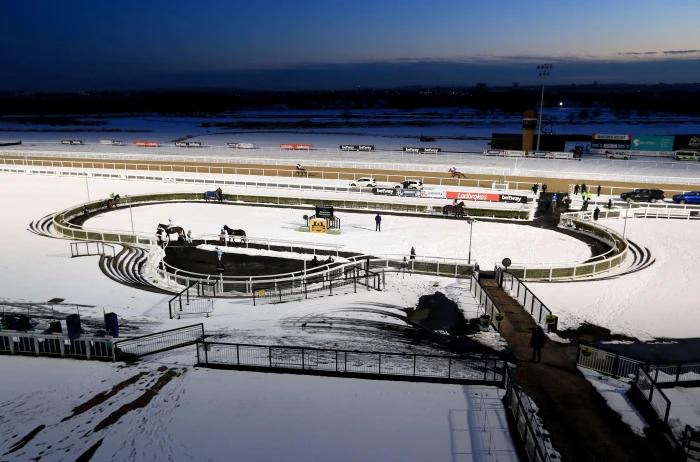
(157, 342)
(481, 369)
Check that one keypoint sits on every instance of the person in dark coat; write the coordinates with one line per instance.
(413, 253)
(584, 188)
(609, 203)
(535, 188)
(537, 341)
(576, 189)
(378, 223)
(598, 190)
(596, 213)
(544, 188)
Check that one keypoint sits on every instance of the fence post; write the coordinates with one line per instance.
(380, 364)
(302, 359)
(414, 365)
(449, 368)
(678, 372)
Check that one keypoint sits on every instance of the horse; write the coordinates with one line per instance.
(456, 173)
(113, 201)
(232, 233)
(300, 171)
(172, 230)
(217, 194)
(456, 210)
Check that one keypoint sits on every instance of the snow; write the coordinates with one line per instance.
(216, 415)
(614, 391)
(659, 301)
(685, 408)
(491, 242)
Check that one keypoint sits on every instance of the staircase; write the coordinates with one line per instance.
(125, 268)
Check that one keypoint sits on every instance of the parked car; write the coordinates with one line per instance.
(617, 155)
(687, 155)
(411, 183)
(643, 195)
(691, 197)
(364, 182)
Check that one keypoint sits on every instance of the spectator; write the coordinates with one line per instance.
(219, 253)
(413, 253)
(314, 261)
(576, 189)
(596, 213)
(609, 203)
(537, 341)
(544, 188)
(584, 188)
(598, 190)
(535, 188)
(189, 237)
(378, 222)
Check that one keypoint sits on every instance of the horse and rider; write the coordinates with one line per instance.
(171, 229)
(454, 173)
(455, 208)
(113, 200)
(232, 234)
(300, 171)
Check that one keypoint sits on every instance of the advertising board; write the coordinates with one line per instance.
(421, 150)
(324, 211)
(296, 146)
(357, 147)
(652, 143)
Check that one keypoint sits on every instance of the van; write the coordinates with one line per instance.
(617, 155)
(687, 155)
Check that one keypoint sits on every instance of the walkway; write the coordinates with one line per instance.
(581, 425)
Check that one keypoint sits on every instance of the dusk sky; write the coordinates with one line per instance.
(53, 45)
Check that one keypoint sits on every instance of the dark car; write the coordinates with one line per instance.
(643, 195)
(691, 197)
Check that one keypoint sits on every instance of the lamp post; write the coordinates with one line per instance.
(624, 227)
(131, 215)
(87, 187)
(471, 222)
(543, 71)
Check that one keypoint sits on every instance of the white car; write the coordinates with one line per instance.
(411, 183)
(617, 155)
(364, 182)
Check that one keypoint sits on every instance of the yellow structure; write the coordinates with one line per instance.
(318, 225)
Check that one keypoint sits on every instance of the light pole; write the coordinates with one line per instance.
(471, 222)
(543, 71)
(131, 215)
(624, 227)
(86, 186)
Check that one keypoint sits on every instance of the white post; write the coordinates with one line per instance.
(544, 70)
(131, 215)
(87, 187)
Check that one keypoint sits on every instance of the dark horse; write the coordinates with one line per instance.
(217, 194)
(455, 173)
(172, 230)
(113, 201)
(456, 210)
(232, 233)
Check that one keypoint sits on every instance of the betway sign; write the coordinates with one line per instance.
(474, 196)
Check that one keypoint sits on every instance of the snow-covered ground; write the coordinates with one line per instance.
(659, 301)
(224, 415)
(685, 408)
(491, 242)
(614, 392)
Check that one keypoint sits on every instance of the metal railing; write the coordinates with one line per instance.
(56, 345)
(391, 366)
(650, 391)
(524, 296)
(136, 347)
(607, 362)
(86, 248)
(186, 304)
(676, 374)
(484, 302)
(340, 281)
(530, 430)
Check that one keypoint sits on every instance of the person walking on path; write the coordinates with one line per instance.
(378, 222)
(413, 253)
(219, 253)
(537, 341)
(554, 201)
(596, 213)
(598, 190)
(544, 188)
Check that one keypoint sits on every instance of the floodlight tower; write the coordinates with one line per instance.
(543, 71)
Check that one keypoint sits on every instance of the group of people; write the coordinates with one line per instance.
(536, 187)
(316, 262)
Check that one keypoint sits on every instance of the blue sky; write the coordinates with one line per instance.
(68, 45)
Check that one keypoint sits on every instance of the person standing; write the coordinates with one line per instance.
(219, 253)
(378, 222)
(535, 188)
(596, 213)
(189, 237)
(537, 341)
(544, 188)
(576, 189)
(413, 253)
(584, 188)
(555, 198)
(609, 203)
(598, 190)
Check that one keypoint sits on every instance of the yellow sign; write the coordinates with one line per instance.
(260, 292)
(318, 225)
